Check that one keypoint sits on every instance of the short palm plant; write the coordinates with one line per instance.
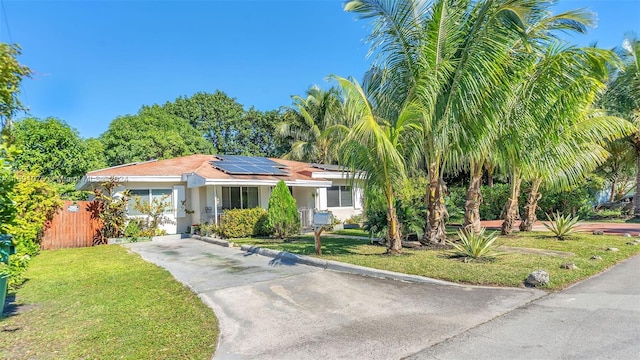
(562, 225)
(475, 245)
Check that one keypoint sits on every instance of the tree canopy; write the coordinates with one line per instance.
(153, 133)
(11, 74)
(52, 148)
(227, 126)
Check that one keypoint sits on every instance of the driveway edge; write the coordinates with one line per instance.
(289, 258)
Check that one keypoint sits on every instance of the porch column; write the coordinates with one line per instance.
(195, 205)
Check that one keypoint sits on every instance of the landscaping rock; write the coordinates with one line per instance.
(627, 235)
(569, 266)
(596, 257)
(537, 278)
(598, 232)
(613, 249)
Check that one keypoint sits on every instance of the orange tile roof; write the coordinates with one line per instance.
(201, 165)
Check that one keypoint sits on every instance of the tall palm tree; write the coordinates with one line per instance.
(556, 97)
(315, 125)
(540, 30)
(372, 150)
(449, 57)
(623, 99)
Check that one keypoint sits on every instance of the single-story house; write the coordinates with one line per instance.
(200, 187)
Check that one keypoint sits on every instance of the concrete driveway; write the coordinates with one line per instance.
(271, 310)
(598, 318)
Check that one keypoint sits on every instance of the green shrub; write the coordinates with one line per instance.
(154, 215)
(208, 229)
(282, 214)
(36, 202)
(475, 245)
(493, 201)
(355, 219)
(132, 230)
(410, 209)
(578, 200)
(455, 201)
(562, 225)
(111, 210)
(238, 223)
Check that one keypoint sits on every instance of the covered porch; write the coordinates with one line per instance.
(210, 199)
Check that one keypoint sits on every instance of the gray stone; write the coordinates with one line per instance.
(627, 235)
(613, 249)
(569, 266)
(538, 277)
(596, 257)
(597, 232)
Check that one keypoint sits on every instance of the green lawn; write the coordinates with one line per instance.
(103, 302)
(351, 232)
(509, 269)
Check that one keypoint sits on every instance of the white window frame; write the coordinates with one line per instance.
(340, 189)
(222, 200)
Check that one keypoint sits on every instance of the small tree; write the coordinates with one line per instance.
(282, 213)
(111, 210)
(154, 215)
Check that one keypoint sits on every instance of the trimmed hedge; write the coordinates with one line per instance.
(240, 223)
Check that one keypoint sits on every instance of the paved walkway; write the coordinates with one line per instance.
(598, 318)
(607, 228)
(270, 310)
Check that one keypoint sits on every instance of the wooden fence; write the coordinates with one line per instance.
(70, 227)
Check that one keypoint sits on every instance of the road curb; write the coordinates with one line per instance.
(289, 258)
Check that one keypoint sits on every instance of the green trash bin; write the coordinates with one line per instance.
(6, 249)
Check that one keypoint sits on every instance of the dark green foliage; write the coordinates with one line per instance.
(282, 214)
(151, 134)
(238, 223)
(410, 208)
(53, 149)
(455, 200)
(579, 200)
(494, 199)
(227, 127)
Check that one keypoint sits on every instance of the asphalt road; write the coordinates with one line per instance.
(271, 310)
(598, 318)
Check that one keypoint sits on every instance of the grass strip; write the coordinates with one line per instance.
(508, 269)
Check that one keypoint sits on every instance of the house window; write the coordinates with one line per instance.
(239, 197)
(339, 196)
(159, 195)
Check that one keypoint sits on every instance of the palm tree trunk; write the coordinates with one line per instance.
(529, 218)
(510, 210)
(436, 209)
(474, 199)
(612, 196)
(490, 168)
(636, 196)
(393, 233)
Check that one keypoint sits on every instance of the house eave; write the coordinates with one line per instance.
(86, 181)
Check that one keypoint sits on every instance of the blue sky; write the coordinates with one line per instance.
(96, 60)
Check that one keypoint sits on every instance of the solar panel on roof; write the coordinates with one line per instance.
(243, 165)
(328, 167)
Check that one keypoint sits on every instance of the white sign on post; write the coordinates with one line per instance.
(322, 218)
